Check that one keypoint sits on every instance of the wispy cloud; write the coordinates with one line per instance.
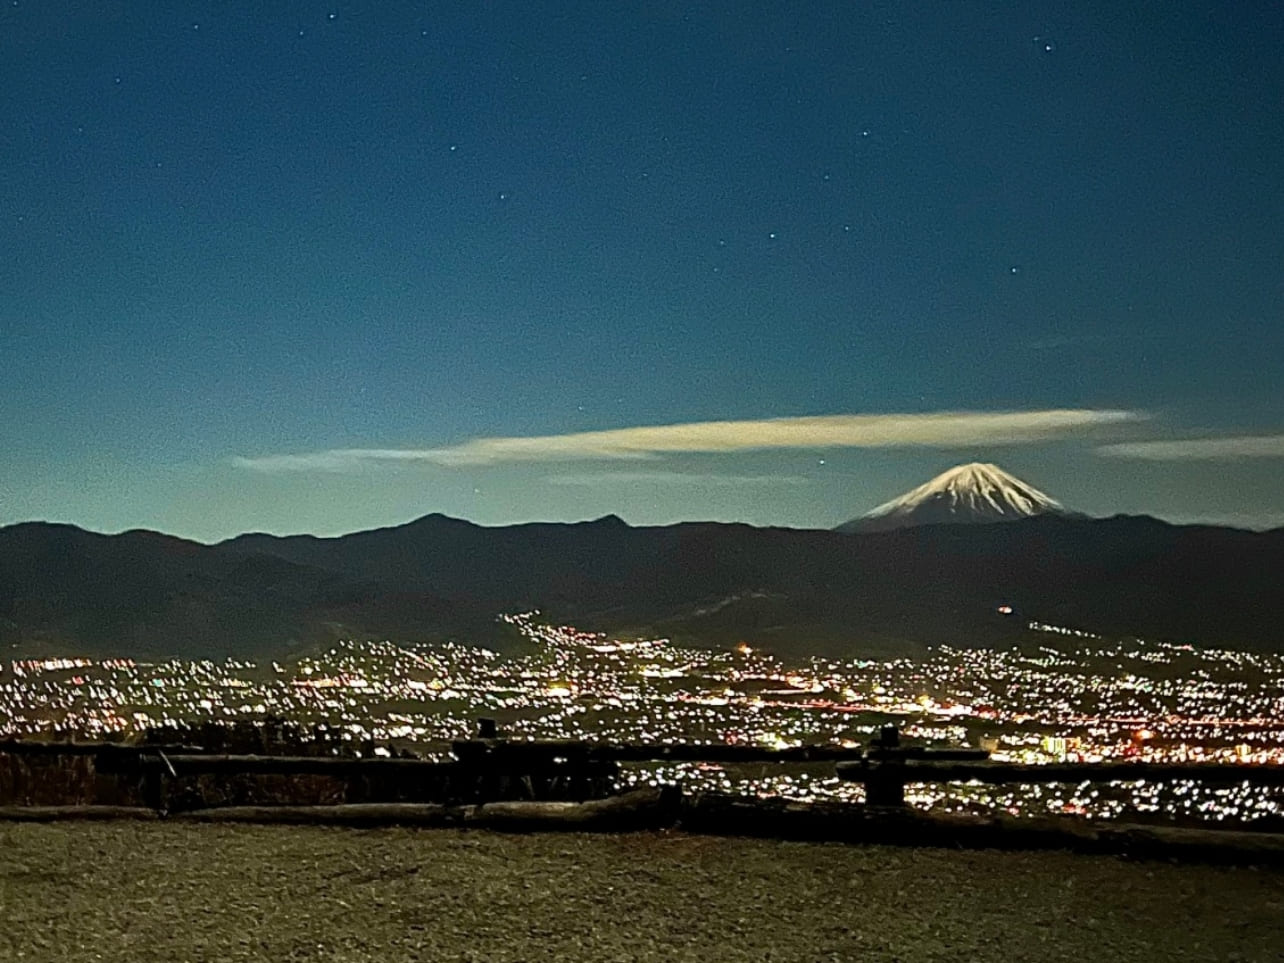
(946, 429)
(1199, 449)
(695, 479)
(333, 460)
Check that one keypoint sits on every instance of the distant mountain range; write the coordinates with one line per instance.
(798, 592)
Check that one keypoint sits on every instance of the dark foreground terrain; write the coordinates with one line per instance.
(156, 892)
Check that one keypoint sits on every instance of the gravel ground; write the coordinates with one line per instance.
(142, 892)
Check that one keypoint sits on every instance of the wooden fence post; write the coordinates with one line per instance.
(885, 784)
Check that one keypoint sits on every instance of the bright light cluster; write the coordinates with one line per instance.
(1060, 695)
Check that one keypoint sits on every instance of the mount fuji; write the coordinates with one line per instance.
(967, 494)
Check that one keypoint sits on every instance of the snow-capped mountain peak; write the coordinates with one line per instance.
(972, 493)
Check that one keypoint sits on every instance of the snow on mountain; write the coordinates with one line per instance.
(972, 493)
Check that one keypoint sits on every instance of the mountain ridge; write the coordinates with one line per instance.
(798, 591)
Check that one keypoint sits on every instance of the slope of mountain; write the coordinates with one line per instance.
(967, 494)
(65, 591)
(797, 592)
(833, 592)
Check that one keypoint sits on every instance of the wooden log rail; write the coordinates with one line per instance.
(32, 747)
(491, 768)
(638, 809)
(659, 752)
(1001, 772)
(655, 752)
(522, 770)
(885, 779)
(202, 764)
(492, 749)
(717, 814)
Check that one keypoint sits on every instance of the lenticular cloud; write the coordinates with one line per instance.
(933, 430)
(1230, 448)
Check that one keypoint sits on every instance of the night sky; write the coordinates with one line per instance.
(319, 266)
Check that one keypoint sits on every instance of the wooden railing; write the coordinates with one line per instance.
(490, 768)
(522, 786)
(888, 767)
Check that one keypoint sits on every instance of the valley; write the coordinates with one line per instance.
(1056, 695)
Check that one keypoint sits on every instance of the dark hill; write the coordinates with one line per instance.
(832, 591)
(66, 591)
(799, 592)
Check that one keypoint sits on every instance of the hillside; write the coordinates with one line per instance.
(797, 591)
(65, 591)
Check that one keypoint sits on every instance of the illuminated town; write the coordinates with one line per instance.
(1063, 695)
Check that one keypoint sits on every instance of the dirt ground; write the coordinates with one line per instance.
(143, 892)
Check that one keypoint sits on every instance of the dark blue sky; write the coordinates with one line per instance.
(375, 237)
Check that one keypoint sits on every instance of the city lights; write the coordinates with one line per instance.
(1063, 695)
